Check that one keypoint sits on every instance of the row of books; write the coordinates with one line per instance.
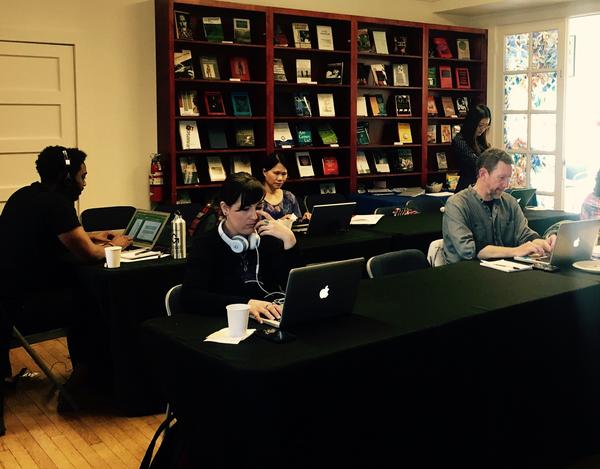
(302, 35)
(214, 104)
(442, 49)
(375, 105)
(216, 135)
(363, 138)
(333, 73)
(212, 28)
(462, 77)
(209, 67)
(393, 161)
(446, 133)
(302, 105)
(448, 106)
(304, 136)
(377, 74)
(376, 41)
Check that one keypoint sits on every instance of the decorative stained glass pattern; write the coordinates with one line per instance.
(515, 131)
(515, 92)
(516, 52)
(519, 175)
(542, 172)
(543, 132)
(543, 91)
(544, 49)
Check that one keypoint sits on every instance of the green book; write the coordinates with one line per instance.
(432, 78)
(362, 133)
(213, 28)
(304, 135)
(327, 134)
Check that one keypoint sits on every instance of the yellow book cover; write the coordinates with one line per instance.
(404, 134)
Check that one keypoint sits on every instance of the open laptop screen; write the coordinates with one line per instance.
(145, 227)
(523, 196)
(331, 218)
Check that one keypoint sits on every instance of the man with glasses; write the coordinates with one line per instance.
(483, 222)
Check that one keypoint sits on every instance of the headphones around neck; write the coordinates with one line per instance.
(238, 243)
(67, 166)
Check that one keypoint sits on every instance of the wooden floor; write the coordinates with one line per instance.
(38, 437)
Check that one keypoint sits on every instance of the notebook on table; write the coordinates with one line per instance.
(575, 241)
(328, 219)
(320, 291)
(145, 228)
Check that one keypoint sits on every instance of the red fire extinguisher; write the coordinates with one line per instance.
(156, 179)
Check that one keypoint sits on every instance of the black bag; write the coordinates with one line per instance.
(172, 452)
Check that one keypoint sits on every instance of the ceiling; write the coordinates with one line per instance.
(486, 7)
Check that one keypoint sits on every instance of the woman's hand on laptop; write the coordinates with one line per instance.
(260, 308)
(120, 240)
(269, 227)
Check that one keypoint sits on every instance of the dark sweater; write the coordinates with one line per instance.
(467, 162)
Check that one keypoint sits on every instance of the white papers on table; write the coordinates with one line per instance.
(365, 219)
(505, 266)
(440, 194)
(146, 256)
(222, 336)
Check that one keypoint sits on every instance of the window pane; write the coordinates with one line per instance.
(544, 45)
(516, 52)
(543, 91)
(519, 175)
(543, 132)
(515, 131)
(515, 92)
(545, 201)
(542, 172)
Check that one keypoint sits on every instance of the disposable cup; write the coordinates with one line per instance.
(113, 256)
(237, 319)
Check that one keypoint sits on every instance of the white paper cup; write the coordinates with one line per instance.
(113, 256)
(237, 319)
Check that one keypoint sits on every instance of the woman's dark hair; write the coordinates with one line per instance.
(597, 186)
(469, 126)
(271, 161)
(243, 186)
(51, 164)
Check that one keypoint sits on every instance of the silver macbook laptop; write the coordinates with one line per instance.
(145, 227)
(328, 219)
(320, 291)
(575, 241)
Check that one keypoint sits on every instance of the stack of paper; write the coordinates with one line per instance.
(505, 266)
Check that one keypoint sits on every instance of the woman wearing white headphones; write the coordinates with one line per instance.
(245, 259)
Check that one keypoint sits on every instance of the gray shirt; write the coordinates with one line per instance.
(468, 225)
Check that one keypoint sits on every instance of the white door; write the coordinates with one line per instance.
(531, 59)
(37, 108)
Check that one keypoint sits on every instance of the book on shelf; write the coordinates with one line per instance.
(432, 80)
(402, 104)
(380, 41)
(244, 136)
(400, 43)
(377, 105)
(440, 157)
(304, 134)
(303, 74)
(363, 40)
(241, 164)
(302, 105)
(445, 133)
(327, 188)
(363, 73)
(334, 73)
(432, 109)
(213, 28)
(462, 105)
(184, 68)
(400, 74)
(213, 100)
(216, 171)
(183, 25)
(326, 104)
(190, 137)
(327, 134)
(324, 37)
(279, 38)
(463, 80)
(404, 133)
(452, 180)
(445, 76)
(405, 160)
(183, 197)
(378, 75)
(432, 133)
(305, 167)
(188, 103)
(279, 70)
(361, 106)
(441, 48)
(362, 133)
(241, 31)
(381, 163)
(210, 68)
(455, 130)
(239, 68)
(448, 106)
(362, 165)
(189, 172)
(330, 166)
(217, 139)
(282, 135)
(240, 102)
(301, 35)
(463, 49)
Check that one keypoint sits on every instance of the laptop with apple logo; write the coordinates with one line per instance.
(320, 291)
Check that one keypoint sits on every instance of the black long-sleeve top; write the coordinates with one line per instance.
(467, 162)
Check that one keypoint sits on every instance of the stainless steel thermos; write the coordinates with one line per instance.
(178, 246)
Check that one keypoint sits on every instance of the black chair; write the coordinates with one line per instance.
(173, 300)
(321, 199)
(395, 262)
(106, 218)
(425, 204)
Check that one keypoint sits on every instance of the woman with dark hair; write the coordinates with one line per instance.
(470, 142)
(226, 264)
(591, 205)
(279, 203)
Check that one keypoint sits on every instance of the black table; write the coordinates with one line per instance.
(466, 364)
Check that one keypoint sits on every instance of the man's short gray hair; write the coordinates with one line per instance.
(490, 158)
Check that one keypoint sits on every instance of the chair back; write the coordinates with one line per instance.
(106, 218)
(173, 300)
(396, 262)
(425, 204)
(320, 199)
(435, 253)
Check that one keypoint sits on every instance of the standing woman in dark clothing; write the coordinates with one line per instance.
(470, 142)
